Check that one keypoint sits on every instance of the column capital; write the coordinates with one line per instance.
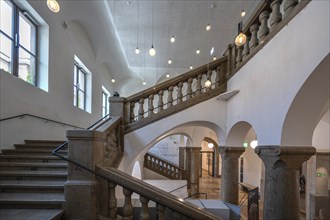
(231, 152)
(292, 156)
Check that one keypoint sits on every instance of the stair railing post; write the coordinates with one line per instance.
(144, 215)
(128, 207)
(179, 95)
(160, 212)
(189, 89)
(151, 105)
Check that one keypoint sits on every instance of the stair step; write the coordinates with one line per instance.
(54, 143)
(31, 214)
(38, 146)
(30, 152)
(32, 175)
(33, 166)
(29, 158)
(31, 186)
(32, 200)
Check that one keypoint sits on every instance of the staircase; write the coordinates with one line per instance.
(32, 181)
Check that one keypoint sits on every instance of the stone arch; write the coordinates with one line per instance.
(307, 108)
(136, 172)
(237, 133)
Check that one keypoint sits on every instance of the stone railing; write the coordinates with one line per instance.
(163, 167)
(175, 94)
(166, 206)
(266, 21)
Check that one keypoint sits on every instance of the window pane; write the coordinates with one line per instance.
(6, 15)
(5, 53)
(81, 80)
(27, 33)
(75, 75)
(74, 96)
(81, 100)
(26, 68)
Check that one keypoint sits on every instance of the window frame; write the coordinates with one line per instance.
(15, 41)
(106, 108)
(76, 85)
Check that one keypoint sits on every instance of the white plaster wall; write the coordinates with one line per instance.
(18, 97)
(269, 82)
(321, 134)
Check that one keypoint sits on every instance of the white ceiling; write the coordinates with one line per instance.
(185, 19)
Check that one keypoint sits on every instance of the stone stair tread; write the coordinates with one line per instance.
(44, 141)
(30, 214)
(31, 184)
(31, 197)
(30, 150)
(32, 173)
(23, 164)
(29, 157)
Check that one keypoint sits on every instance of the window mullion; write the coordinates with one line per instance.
(15, 44)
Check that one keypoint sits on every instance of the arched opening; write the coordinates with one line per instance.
(136, 172)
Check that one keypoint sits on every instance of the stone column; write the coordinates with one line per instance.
(281, 196)
(86, 147)
(182, 157)
(229, 173)
(192, 169)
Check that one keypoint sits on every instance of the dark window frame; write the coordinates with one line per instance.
(15, 42)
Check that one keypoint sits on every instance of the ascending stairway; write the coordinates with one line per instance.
(32, 181)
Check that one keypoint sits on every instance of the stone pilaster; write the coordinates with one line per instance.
(229, 173)
(281, 196)
(192, 169)
(81, 189)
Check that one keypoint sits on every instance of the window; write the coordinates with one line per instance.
(79, 86)
(18, 42)
(105, 101)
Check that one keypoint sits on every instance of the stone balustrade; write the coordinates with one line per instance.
(175, 94)
(163, 167)
(266, 21)
(167, 205)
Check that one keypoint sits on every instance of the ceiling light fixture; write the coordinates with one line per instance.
(144, 83)
(191, 67)
(113, 80)
(241, 37)
(167, 75)
(208, 84)
(169, 61)
(208, 27)
(152, 50)
(172, 39)
(210, 145)
(53, 5)
(254, 144)
(198, 51)
(243, 13)
(214, 58)
(137, 51)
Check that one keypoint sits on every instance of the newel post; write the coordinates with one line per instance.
(81, 189)
(117, 107)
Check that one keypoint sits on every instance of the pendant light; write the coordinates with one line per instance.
(172, 39)
(169, 61)
(241, 37)
(137, 51)
(113, 80)
(53, 5)
(198, 51)
(191, 67)
(208, 27)
(167, 75)
(152, 50)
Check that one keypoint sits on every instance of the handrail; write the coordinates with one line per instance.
(42, 118)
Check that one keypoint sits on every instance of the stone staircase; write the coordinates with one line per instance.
(32, 181)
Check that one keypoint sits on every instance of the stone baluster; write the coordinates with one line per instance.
(281, 195)
(208, 77)
(132, 116)
(199, 84)
(288, 6)
(128, 207)
(160, 212)
(229, 173)
(141, 110)
(217, 77)
(112, 201)
(151, 105)
(254, 36)
(170, 97)
(179, 100)
(160, 100)
(246, 48)
(264, 29)
(223, 75)
(239, 55)
(189, 88)
(144, 214)
(275, 16)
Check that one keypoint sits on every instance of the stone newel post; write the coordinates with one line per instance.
(281, 196)
(81, 189)
(229, 173)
